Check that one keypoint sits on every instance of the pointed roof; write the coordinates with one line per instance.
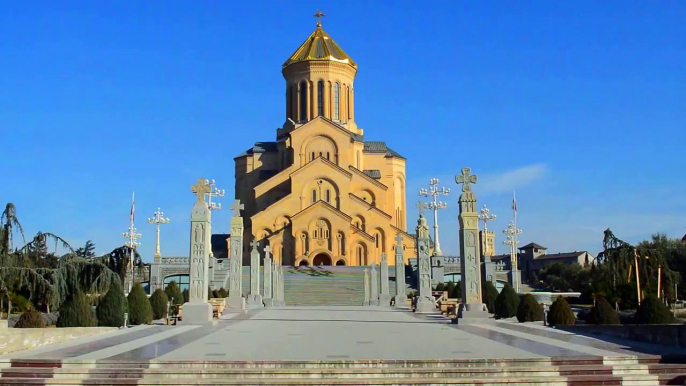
(532, 246)
(319, 46)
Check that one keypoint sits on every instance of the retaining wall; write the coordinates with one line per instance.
(665, 334)
(15, 339)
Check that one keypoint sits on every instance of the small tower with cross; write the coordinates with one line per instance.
(235, 301)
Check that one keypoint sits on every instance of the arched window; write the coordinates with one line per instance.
(376, 239)
(336, 97)
(312, 156)
(320, 98)
(326, 233)
(289, 102)
(327, 155)
(314, 196)
(316, 234)
(303, 100)
(320, 153)
(328, 196)
(347, 101)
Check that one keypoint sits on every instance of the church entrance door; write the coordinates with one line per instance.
(321, 259)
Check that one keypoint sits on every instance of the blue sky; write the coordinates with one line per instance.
(578, 106)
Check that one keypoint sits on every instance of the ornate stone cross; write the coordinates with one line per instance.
(421, 205)
(237, 207)
(201, 189)
(398, 239)
(253, 244)
(267, 250)
(466, 179)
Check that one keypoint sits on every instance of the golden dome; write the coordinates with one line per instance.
(319, 46)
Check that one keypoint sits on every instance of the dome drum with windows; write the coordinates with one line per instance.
(320, 194)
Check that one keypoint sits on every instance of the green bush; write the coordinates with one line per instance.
(560, 313)
(76, 311)
(20, 303)
(457, 291)
(174, 293)
(111, 309)
(185, 295)
(450, 287)
(222, 293)
(215, 294)
(440, 287)
(31, 318)
(529, 310)
(488, 295)
(602, 312)
(140, 311)
(653, 311)
(158, 303)
(506, 303)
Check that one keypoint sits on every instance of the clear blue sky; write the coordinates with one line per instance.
(579, 106)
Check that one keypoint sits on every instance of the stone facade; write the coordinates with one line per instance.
(320, 194)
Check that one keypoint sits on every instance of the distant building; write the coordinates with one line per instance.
(532, 257)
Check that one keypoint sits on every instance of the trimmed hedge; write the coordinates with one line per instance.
(158, 303)
(506, 303)
(174, 293)
(31, 318)
(111, 309)
(76, 311)
(602, 312)
(653, 311)
(140, 311)
(529, 310)
(560, 313)
(440, 287)
(488, 295)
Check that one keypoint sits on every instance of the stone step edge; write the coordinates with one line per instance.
(560, 370)
(512, 381)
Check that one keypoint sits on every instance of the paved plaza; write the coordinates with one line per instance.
(336, 333)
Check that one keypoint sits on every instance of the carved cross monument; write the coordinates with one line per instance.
(236, 300)
(366, 287)
(267, 282)
(400, 295)
(425, 301)
(374, 278)
(197, 309)
(255, 299)
(472, 309)
(385, 295)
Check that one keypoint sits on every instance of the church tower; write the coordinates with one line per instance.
(321, 194)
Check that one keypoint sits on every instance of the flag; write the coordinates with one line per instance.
(133, 201)
(514, 203)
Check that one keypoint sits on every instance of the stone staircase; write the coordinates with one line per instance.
(323, 285)
(584, 371)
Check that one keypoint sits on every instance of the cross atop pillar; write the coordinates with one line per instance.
(421, 205)
(267, 251)
(466, 179)
(253, 244)
(201, 189)
(398, 239)
(237, 207)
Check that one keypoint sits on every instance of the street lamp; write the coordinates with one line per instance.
(214, 192)
(132, 235)
(512, 232)
(435, 205)
(158, 219)
(485, 216)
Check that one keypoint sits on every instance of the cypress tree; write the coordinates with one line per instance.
(653, 311)
(158, 303)
(111, 309)
(174, 293)
(31, 318)
(488, 295)
(76, 312)
(140, 311)
(529, 310)
(560, 313)
(457, 291)
(603, 313)
(506, 303)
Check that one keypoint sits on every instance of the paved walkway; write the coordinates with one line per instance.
(336, 333)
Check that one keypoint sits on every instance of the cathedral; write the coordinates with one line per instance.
(320, 194)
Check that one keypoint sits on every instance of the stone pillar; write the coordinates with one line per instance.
(197, 310)
(255, 299)
(267, 282)
(472, 310)
(400, 295)
(280, 287)
(425, 301)
(385, 295)
(437, 269)
(374, 278)
(366, 287)
(236, 301)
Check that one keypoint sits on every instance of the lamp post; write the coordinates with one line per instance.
(485, 216)
(214, 192)
(435, 205)
(512, 232)
(132, 235)
(158, 219)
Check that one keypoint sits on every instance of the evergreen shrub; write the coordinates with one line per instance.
(506, 303)
(174, 293)
(31, 318)
(111, 309)
(488, 295)
(440, 287)
(158, 303)
(653, 311)
(560, 313)
(602, 313)
(185, 295)
(222, 293)
(457, 291)
(76, 311)
(529, 310)
(450, 287)
(140, 311)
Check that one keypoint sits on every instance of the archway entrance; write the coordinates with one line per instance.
(303, 263)
(321, 259)
(340, 262)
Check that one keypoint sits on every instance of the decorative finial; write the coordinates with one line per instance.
(319, 16)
